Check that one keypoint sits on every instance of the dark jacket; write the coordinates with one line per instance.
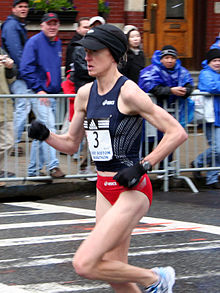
(41, 64)
(69, 52)
(81, 75)
(133, 66)
(14, 37)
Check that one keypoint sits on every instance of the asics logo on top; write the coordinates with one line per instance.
(108, 103)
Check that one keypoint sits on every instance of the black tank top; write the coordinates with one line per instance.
(125, 130)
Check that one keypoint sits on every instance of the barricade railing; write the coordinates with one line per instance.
(73, 167)
(186, 153)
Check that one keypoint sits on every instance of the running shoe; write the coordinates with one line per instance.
(165, 283)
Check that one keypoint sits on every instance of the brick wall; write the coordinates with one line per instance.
(213, 23)
(119, 16)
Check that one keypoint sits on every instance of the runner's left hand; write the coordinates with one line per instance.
(129, 177)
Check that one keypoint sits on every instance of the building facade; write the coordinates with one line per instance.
(189, 25)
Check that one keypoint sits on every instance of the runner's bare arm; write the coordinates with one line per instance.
(69, 142)
(135, 101)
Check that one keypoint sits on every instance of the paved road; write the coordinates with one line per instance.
(39, 238)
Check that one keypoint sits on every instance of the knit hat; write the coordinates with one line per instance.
(16, 2)
(212, 54)
(168, 50)
(105, 36)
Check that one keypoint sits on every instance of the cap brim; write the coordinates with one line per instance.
(90, 43)
(52, 19)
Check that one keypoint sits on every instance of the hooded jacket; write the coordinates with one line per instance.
(216, 45)
(209, 81)
(157, 79)
(41, 64)
(14, 37)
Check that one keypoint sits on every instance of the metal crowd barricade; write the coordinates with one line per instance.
(186, 153)
(178, 168)
(19, 164)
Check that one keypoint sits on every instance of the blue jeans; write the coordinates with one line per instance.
(41, 153)
(20, 108)
(212, 155)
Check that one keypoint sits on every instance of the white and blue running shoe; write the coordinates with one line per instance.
(166, 281)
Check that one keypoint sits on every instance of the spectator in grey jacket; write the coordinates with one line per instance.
(14, 37)
(7, 74)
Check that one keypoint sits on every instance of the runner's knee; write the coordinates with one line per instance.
(83, 267)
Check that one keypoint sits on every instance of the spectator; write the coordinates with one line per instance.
(96, 20)
(41, 69)
(14, 37)
(167, 80)
(68, 85)
(7, 74)
(82, 29)
(209, 81)
(135, 56)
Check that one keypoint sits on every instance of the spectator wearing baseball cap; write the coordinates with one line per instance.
(41, 70)
(16, 2)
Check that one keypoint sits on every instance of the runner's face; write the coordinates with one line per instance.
(98, 62)
(20, 10)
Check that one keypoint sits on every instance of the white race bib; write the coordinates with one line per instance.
(99, 140)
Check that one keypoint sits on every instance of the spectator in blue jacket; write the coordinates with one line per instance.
(167, 80)
(209, 81)
(14, 37)
(41, 69)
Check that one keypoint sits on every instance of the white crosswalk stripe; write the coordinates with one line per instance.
(148, 225)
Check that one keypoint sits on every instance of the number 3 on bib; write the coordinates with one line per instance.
(99, 140)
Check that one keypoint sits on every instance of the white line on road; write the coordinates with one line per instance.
(54, 287)
(166, 224)
(47, 223)
(65, 258)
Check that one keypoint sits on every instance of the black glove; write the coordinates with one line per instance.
(37, 130)
(129, 177)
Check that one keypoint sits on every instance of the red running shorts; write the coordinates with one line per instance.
(111, 190)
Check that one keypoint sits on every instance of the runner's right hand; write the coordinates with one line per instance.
(39, 131)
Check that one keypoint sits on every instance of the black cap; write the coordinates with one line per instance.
(168, 50)
(105, 36)
(49, 16)
(212, 54)
(16, 2)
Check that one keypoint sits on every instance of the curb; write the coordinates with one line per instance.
(42, 191)
(34, 191)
